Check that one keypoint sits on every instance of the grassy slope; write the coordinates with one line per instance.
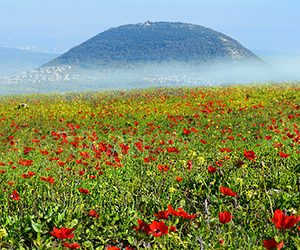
(85, 132)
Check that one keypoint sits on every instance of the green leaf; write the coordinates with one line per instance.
(130, 240)
(36, 226)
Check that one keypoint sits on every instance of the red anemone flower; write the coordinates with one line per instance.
(187, 131)
(158, 228)
(84, 190)
(163, 168)
(93, 213)
(203, 141)
(71, 245)
(283, 155)
(227, 191)
(173, 150)
(62, 233)
(185, 215)
(179, 179)
(225, 217)
(49, 179)
(142, 226)
(172, 229)
(272, 244)
(112, 248)
(282, 221)
(211, 169)
(28, 175)
(25, 162)
(189, 165)
(15, 195)
(162, 214)
(172, 211)
(250, 155)
(129, 248)
(181, 213)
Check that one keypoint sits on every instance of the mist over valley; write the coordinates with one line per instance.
(150, 54)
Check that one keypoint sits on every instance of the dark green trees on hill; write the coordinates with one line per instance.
(155, 42)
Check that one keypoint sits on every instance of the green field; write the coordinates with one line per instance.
(97, 163)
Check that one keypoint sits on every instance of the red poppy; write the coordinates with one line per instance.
(112, 248)
(158, 228)
(181, 213)
(162, 214)
(179, 179)
(187, 131)
(272, 244)
(93, 213)
(163, 168)
(227, 191)
(62, 233)
(172, 229)
(27, 150)
(49, 179)
(225, 217)
(71, 245)
(189, 165)
(172, 211)
(283, 155)
(129, 248)
(84, 190)
(142, 226)
(61, 163)
(124, 148)
(282, 221)
(139, 146)
(250, 155)
(81, 172)
(203, 141)
(211, 169)
(25, 162)
(28, 175)
(219, 163)
(173, 150)
(171, 142)
(15, 195)
(225, 150)
(84, 155)
(278, 144)
(59, 151)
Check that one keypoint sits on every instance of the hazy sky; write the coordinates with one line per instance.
(57, 25)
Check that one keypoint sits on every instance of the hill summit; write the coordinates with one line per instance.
(155, 42)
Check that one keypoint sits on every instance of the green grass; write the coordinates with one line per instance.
(87, 132)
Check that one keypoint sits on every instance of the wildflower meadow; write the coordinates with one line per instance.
(165, 168)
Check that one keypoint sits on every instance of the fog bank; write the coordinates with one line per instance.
(142, 75)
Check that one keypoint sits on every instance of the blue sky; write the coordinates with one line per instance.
(57, 25)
